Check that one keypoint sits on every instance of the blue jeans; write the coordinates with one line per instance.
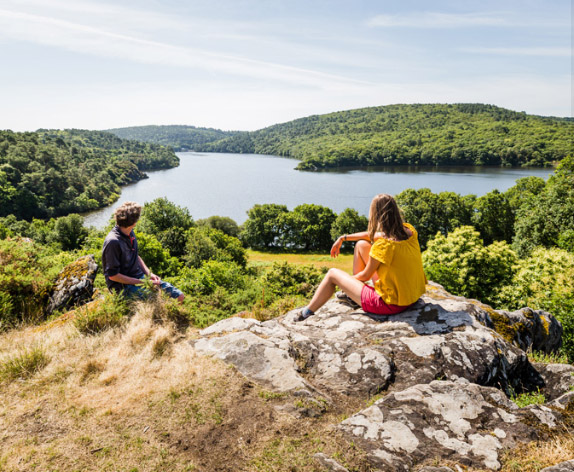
(137, 291)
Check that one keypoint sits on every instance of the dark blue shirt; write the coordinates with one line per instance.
(120, 256)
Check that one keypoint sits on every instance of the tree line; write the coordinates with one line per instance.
(55, 172)
(179, 137)
(434, 134)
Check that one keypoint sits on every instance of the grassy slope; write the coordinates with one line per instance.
(138, 399)
(343, 262)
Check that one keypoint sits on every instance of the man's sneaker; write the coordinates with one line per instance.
(344, 298)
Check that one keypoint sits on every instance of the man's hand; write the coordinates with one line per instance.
(336, 249)
(154, 279)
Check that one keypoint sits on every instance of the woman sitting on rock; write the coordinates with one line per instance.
(388, 253)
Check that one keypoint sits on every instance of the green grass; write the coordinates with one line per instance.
(23, 364)
(102, 314)
(343, 262)
(545, 358)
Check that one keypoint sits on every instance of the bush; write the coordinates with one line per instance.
(464, 266)
(545, 281)
(284, 279)
(156, 257)
(27, 271)
(205, 244)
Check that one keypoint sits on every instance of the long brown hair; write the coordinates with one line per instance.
(385, 216)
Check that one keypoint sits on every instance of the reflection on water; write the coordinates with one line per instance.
(230, 184)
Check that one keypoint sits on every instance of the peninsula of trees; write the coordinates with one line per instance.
(179, 137)
(53, 172)
(435, 134)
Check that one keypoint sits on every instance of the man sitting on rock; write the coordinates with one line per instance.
(124, 269)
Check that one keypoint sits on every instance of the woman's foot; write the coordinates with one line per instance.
(344, 298)
(304, 313)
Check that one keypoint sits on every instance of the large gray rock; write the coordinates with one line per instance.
(437, 364)
(74, 285)
(465, 422)
(558, 379)
(340, 350)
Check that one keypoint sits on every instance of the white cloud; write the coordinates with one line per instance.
(526, 51)
(437, 20)
(92, 40)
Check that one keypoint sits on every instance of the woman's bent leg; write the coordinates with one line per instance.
(336, 277)
(361, 257)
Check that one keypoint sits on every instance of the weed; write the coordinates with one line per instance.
(547, 358)
(24, 363)
(104, 314)
(529, 398)
(267, 395)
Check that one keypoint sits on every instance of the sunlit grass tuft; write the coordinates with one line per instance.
(24, 363)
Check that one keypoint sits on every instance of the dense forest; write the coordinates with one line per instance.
(52, 172)
(179, 137)
(460, 134)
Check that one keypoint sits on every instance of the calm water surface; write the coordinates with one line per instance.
(230, 184)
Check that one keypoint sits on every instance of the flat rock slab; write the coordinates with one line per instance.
(346, 351)
(463, 422)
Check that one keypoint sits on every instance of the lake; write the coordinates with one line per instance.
(230, 184)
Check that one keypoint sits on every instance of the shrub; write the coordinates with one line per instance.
(545, 281)
(529, 398)
(69, 232)
(464, 266)
(27, 271)
(288, 279)
(156, 257)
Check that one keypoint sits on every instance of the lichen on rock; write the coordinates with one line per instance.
(74, 285)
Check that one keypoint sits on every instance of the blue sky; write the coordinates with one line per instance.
(247, 64)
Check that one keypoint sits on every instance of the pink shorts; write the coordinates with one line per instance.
(372, 302)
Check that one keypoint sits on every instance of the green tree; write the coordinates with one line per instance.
(431, 213)
(493, 217)
(308, 227)
(547, 219)
(69, 232)
(464, 266)
(222, 223)
(156, 257)
(264, 226)
(347, 222)
(160, 215)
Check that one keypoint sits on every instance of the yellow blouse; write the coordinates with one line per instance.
(401, 276)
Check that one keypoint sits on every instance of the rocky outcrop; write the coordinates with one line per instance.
(463, 421)
(443, 372)
(558, 379)
(74, 285)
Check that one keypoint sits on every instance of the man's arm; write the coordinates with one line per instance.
(124, 279)
(154, 278)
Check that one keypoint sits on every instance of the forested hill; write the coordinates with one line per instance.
(180, 137)
(460, 134)
(51, 172)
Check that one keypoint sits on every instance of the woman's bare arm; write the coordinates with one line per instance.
(368, 271)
